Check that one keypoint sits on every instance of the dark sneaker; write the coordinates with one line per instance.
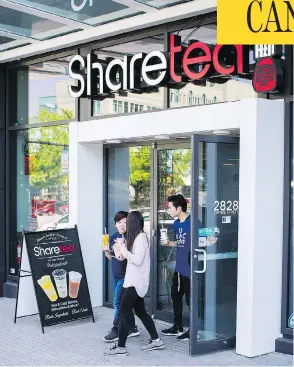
(153, 345)
(116, 351)
(133, 332)
(184, 336)
(112, 336)
(173, 331)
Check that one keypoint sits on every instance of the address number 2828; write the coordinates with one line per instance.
(225, 207)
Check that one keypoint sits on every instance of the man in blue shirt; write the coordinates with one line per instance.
(181, 280)
(118, 273)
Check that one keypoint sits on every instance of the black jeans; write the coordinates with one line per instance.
(180, 287)
(129, 301)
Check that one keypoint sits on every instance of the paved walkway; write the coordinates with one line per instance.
(80, 344)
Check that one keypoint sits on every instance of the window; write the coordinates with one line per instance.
(120, 104)
(39, 164)
(214, 99)
(126, 107)
(39, 93)
(96, 108)
(151, 97)
(115, 106)
(236, 88)
(190, 98)
(203, 98)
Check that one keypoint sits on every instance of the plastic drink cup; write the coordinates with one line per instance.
(60, 281)
(46, 284)
(163, 234)
(117, 247)
(74, 283)
(105, 240)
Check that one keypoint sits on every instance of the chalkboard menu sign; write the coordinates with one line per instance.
(58, 274)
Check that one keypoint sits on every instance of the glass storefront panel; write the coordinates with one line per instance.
(130, 102)
(213, 91)
(128, 189)
(28, 25)
(39, 93)
(85, 11)
(39, 161)
(174, 177)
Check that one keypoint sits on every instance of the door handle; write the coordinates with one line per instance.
(204, 261)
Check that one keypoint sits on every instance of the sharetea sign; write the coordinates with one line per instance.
(54, 262)
(197, 62)
(255, 22)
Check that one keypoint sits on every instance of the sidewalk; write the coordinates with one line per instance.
(80, 343)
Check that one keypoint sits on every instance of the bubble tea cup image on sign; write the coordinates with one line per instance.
(46, 284)
(74, 283)
(61, 282)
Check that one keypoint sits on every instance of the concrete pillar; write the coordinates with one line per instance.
(260, 226)
(86, 206)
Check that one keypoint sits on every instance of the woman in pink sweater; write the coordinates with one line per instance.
(136, 284)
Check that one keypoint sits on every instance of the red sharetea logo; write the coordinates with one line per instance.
(54, 250)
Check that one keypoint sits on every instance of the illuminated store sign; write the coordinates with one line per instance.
(197, 62)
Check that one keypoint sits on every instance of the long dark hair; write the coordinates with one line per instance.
(135, 225)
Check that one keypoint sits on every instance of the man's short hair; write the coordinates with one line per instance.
(120, 215)
(178, 200)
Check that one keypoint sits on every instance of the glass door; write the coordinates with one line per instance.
(215, 207)
(172, 175)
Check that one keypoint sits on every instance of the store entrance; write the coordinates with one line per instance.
(215, 208)
(206, 173)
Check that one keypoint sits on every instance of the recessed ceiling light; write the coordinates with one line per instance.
(221, 132)
(161, 137)
(113, 141)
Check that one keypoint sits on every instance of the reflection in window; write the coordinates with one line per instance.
(235, 89)
(114, 106)
(96, 108)
(120, 110)
(128, 189)
(126, 107)
(39, 93)
(174, 176)
(190, 98)
(39, 163)
(135, 101)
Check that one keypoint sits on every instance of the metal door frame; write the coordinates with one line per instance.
(196, 347)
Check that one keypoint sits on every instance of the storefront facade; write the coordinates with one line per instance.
(77, 158)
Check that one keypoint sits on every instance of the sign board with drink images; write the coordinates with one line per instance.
(53, 261)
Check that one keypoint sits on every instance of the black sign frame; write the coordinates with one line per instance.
(36, 286)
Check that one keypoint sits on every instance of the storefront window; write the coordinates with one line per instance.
(128, 189)
(215, 90)
(39, 161)
(39, 93)
(138, 102)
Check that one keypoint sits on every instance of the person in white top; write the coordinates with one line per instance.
(136, 284)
